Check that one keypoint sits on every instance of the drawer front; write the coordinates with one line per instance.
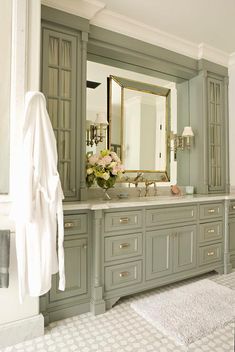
(123, 220)
(232, 207)
(210, 254)
(123, 275)
(212, 231)
(75, 224)
(118, 247)
(210, 211)
(170, 215)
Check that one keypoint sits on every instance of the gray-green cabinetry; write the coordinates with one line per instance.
(232, 232)
(209, 170)
(75, 299)
(63, 82)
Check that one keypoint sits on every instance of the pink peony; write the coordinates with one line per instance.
(93, 159)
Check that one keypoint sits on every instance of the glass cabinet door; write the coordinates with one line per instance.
(215, 135)
(59, 87)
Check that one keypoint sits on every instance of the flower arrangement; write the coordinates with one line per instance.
(104, 169)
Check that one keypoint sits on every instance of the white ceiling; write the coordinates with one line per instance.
(200, 21)
(196, 28)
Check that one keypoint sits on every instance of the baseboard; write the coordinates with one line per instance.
(21, 330)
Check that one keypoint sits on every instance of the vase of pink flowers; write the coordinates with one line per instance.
(103, 169)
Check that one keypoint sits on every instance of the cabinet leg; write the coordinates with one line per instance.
(97, 304)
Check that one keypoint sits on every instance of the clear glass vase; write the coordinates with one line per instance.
(106, 196)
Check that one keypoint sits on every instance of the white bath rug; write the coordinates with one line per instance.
(189, 312)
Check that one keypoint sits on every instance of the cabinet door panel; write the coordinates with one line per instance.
(158, 253)
(75, 271)
(185, 248)
(59, 75)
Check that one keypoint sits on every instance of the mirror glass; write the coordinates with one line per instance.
(139, 125)
(141, 111)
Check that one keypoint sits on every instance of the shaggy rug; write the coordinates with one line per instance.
(189, 312)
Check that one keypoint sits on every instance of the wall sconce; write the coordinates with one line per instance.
(184, 141)
(95, 131)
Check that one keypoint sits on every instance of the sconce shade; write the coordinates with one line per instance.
(101, 118)
(187, 132)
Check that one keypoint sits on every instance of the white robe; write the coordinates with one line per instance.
(38, 207)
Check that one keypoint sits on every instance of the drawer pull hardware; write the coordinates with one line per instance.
(211, 231)
(124, 220)
(211, 211)
(124, 273)
(84, 246)
(124, 245)
(210, 253)
(233, 207)
(68, 225)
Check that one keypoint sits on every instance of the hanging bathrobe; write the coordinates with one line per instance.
(38, 209)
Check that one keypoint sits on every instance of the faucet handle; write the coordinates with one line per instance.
(155, 188)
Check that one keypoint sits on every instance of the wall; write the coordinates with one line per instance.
(17, 321)
(5, 66)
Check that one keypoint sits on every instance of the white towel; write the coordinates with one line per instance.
(38, 210)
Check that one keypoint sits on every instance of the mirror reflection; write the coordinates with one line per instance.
(141, 111)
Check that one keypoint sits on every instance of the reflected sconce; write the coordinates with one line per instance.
(95, 131)
(184, 141)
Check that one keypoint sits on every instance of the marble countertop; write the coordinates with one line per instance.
(95, 204)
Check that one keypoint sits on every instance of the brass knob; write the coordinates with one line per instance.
(124, 220)
(124, 273)
(124, 245)
(211, 231)
(210, 253)
(84, 246)
(68, 225)
(211, 211)
(233, 207)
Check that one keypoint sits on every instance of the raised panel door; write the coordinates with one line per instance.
(75, 251)
(184, 248)
(158, 253)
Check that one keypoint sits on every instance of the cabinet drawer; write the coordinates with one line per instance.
(118, 276)
(232, 207)
(118, 247)
(170, 215)
(210, 211)
(210, 254)
(123, 220)
(75, 224)
(212, 231)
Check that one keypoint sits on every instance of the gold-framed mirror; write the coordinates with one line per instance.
(139, 126)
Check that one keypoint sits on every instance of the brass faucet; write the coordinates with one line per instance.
(147, 184)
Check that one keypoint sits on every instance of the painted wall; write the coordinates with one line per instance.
(5, 70)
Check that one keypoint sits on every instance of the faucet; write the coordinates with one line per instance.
(147, 184)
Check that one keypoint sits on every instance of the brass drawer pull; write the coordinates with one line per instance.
(68, 225)
(211, 211)
(210, 253)
(211, 231)
(233, 207)
(124, 245)
(124, 273)
(124, 220)
(84, 246)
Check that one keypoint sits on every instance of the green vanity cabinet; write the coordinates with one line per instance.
(209, 169)
(75, 299)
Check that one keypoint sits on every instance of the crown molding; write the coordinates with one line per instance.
(232, 59)
(83, 8)
(98, 15)
(118, 23)
(212, 54)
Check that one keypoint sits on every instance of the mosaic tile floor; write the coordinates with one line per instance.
(123, 330)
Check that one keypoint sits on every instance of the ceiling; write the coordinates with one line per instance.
(196, 28)
(203, 21)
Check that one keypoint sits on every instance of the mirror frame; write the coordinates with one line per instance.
(125, 83)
